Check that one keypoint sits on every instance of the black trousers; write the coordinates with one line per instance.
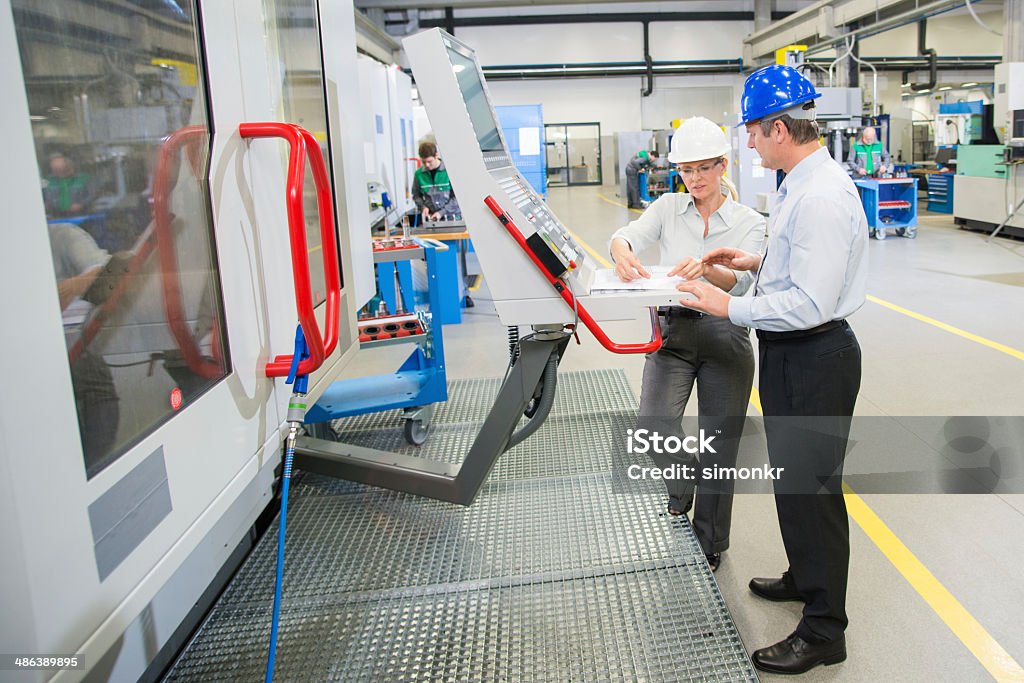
(808, 388)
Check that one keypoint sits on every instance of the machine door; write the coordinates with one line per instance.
(147, 283)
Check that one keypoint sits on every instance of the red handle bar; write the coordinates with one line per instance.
(163, 237)
(567, 295)
(302, 144)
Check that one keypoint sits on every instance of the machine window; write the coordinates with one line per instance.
(120, 121)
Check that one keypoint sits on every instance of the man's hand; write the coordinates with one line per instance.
(426, 214)
(709, 298)
(689, 269)
(436, 216)
(862, 171)
(881, 170)
(735, 259)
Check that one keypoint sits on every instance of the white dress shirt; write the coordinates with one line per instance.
(815, 264)
(674, 222)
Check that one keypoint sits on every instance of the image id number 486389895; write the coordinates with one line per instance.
(17, 662)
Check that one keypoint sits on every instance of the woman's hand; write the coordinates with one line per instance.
(627, 265)
(689, 269)
(735, 259)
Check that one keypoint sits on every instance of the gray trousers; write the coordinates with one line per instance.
(632, 188)
(717, 355)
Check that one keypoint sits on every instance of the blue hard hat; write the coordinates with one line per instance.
(774, 89)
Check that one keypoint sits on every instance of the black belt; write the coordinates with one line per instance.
(680, 312)
(765, 335)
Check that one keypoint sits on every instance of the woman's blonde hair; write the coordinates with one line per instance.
(727, 184)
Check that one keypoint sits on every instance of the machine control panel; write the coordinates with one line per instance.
(540, 218)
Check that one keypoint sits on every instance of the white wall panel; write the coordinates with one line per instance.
(678, 40)
(555, 44)
(951, 35)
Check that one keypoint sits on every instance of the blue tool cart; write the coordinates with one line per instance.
(889, 203)
(656, 182)
(421, 380)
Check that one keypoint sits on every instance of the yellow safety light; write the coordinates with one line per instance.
(783, 52)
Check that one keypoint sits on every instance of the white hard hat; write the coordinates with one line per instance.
(698, 139)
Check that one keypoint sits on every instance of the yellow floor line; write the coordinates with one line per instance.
(590, 250)
(972, 634)
(755, 400)
(316, 248)
(618, 204)
(1019, 355)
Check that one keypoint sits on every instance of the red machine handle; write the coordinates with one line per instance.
(415, 159)
(163, 238)
(567, 295)
(303, 145)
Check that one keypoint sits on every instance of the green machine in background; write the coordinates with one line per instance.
(981, 161)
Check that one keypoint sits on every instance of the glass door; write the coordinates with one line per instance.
(574, 153)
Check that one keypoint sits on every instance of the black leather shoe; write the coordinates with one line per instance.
(779, 590)
(676, 506)
(794, 655)
(714, 559)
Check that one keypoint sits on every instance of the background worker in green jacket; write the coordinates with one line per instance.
(431, 188)
(867, 156)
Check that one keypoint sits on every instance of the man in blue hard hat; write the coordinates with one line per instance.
(811, 276)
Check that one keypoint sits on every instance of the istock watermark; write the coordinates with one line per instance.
(644, 441)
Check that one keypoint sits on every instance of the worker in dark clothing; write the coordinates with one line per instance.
(637, 165)
(432, 189)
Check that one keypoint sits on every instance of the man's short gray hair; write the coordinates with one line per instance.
(801, 130)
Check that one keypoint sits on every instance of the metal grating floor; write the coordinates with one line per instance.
(551, 575)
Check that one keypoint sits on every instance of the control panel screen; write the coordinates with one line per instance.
(484, 125)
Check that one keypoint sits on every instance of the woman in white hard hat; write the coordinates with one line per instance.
(712, 352)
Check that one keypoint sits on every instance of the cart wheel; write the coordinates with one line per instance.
(469, 301)
(416, 431)
(901, 232)
(880, 233)
(912, 233)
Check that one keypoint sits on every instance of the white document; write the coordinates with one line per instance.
(529, 142)
(605, 280)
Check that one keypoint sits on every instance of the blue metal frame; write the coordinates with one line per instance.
(450, 283)
(421, 380)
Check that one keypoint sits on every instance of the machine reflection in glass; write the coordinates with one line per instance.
(120, 122)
